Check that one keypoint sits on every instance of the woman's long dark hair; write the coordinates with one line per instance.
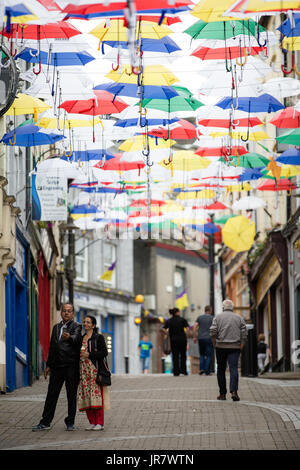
(94, 322)
(173, 311)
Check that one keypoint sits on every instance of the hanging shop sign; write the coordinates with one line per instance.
(49, 198)
(267, 278)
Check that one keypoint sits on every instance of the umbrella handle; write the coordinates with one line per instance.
(68, 154)
(296, 70)
(13, 53)
(241, 64)
(37, 72)
(287, 72)
(14, 142)
(33, 54)
(257, 37)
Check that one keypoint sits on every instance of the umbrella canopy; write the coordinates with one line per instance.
(262, 104)
(135, 91)
(221, 151)
(288, 118)
(248, 203)
(224, 29)
(138, 142)
(222, 53)
(165, 45)
(180, 130)
(290, 157)
(25, 104)
(117, 165)
(57, 167)
(280, 87)
(248, 160)
(279, 185)
(174, 104)
(116, 31)
(30, 136)
(187, 160)
(59, 30)
(156, 75)
(238, 233)
(291, 137)
(104, 103)
(244, 8)
(58, 59)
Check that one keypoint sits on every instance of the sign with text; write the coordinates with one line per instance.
(49, 198)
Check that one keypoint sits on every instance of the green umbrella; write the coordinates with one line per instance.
(223, 219)
(291, 137)
(248, 160)
(223, 29)
(183, 102)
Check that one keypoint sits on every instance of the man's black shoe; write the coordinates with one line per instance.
(41, 427)
(221, 397)
(201, 372)
(70, 427)
(235, 396)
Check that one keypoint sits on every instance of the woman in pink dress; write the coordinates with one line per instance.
(92, 398)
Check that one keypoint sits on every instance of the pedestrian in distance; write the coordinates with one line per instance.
(145, 348)
(93, 398)
(63, 366)
(201, 332)
(177, 327)
(229, 333)
(263, 351)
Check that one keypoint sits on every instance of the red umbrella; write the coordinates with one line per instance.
(243, 122)
(288, 118)
(279, 185)
(220, 53)
(221, 151)
(216, 206)
(183, 130)
(116, 164)
(144, 203)
(168, 20)
(59, 30)
(107, 104)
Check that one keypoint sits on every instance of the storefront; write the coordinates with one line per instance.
(16, 303)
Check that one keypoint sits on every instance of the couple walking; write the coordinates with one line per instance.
(73, 359)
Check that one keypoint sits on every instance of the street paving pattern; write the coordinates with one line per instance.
(162, 412)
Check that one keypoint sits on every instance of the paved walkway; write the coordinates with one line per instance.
(162, 412)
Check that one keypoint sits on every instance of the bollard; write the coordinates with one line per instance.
(126, 364)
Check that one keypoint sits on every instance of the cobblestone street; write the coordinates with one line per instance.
(162, 412)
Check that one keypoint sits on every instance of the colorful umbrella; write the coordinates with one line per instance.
(238, 233)
(291, 137)
(104, 103)
(253, 7)
(279, 185)
(30, 136)
(174, 104)
(261, 104)
(248, 203)
(154, 75)
(135, 91)
(59, 30)
(221, 151)
(56, 59)
(221, 53)
(223, 29)
(248, 160)
(288, 118)
(290, 157)
(25, 104)
(180, 130)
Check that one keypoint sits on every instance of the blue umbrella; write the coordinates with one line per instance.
(15, 10)
(251, 174)
(88, 155)
(262, 104)
(150, 122)
(290, 157)
(209, 228)
(104, 190)
(287, 29)
(57, 59)
(130, 89)
(164, 45)
(83, 210)
(30, 136)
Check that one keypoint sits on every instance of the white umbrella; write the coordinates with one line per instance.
(280, 87)
(248, 203)
(57, 167)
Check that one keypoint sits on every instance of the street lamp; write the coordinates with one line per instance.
(70, 269)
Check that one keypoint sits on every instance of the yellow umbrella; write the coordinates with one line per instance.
(238, 233)
(52, 123)
(209, 11)
(118, 32)
(25, 104)
(238, 188)
(253, 136)
(187, 160)
(203, 194)
(291, 44)
(152, 75)
(138, 142)
(245, 7)
(189, 221)
(287, 171)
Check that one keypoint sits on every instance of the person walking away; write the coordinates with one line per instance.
(263, 351)
(177, 331)
(229, 333)
(145, 348)
(63, 366)
(202, 325)
(92, 397)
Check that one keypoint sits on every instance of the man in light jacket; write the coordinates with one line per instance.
(228, 332)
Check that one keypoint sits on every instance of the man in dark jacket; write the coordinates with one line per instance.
(63, 365)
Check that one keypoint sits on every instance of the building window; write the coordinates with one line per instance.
(109, 257)
(81, 259)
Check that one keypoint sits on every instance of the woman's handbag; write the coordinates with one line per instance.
(167, 345)
(103, 374)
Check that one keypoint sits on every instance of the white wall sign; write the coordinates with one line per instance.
(49, 198)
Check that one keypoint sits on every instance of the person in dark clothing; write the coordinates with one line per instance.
(63, 366)
(176, 326)
(202, 326)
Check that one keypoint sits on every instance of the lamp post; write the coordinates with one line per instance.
(211, 262)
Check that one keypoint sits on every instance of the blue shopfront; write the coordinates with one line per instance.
(16, 311)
